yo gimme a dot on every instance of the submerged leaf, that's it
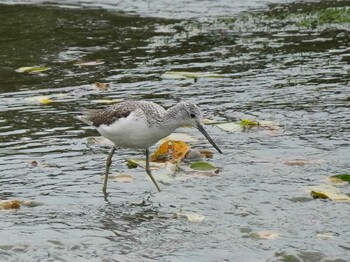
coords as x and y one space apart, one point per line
202 166
192 75
91 63
268 235
125 178
32 69
296 163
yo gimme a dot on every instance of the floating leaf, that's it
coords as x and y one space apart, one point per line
42 100
192 217
91 63
170 151
248 124
192 75
318 194
131 163
229 126
342 177
32 69
268 235
124 178
202 166
10 204
101 86
328 192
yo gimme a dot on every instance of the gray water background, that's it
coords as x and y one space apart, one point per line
271 70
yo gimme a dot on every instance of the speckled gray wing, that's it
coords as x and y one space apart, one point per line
108 115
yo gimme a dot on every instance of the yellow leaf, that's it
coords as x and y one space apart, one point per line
42 100
328 191
170 151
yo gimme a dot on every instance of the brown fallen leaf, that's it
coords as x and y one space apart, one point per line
9 204
101 86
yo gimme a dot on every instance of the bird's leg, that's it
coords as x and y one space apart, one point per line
108 164
148 170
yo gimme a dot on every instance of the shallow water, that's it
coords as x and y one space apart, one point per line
272 69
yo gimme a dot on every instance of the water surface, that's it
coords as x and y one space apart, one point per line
272 69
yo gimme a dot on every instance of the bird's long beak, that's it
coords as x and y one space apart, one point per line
202 130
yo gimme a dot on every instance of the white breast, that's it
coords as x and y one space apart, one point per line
133 132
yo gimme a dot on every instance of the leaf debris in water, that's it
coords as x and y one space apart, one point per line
191 75
9 204
342 177
202 166
32 69
42 100
90 63
124 178
101 86
268 235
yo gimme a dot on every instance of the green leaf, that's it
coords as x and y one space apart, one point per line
202 166
344 177
318 194
32 69
248 124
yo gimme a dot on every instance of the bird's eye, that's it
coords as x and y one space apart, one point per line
192 115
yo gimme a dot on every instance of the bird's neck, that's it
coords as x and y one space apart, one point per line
172 118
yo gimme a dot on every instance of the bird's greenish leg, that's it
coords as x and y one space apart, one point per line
148 170
108 164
